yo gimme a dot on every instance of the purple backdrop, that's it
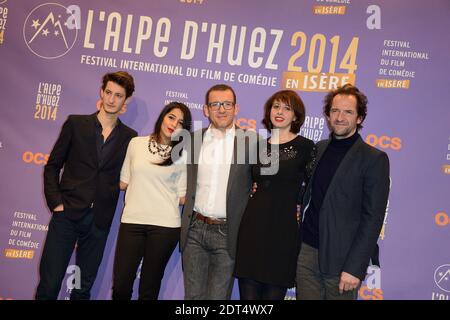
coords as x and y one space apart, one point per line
54 54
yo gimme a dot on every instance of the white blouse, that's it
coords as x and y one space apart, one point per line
153 192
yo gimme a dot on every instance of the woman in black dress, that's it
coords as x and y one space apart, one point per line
267 243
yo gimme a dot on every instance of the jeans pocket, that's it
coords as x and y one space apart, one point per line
194 222
222 229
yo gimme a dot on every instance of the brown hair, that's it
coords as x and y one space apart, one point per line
219 87
348 90
122 78
290 98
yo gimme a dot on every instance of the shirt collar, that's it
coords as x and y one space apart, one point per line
229 133
99 125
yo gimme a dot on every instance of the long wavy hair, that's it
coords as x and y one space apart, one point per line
187 124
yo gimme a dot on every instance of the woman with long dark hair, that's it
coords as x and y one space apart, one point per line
155 186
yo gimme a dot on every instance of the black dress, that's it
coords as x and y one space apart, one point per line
267 242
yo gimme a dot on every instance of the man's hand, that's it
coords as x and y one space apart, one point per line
348 282
59 208
98 105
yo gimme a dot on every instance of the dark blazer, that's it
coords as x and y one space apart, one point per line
84 183
353 209
238 188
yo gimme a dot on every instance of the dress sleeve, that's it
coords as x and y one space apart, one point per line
309 168
126 166
311 163
182 181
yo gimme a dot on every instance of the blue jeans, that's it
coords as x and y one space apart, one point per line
208 267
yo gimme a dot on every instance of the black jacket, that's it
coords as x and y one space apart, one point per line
84 183
352 212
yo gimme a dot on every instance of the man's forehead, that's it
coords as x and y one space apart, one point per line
111 85
221 92
341 100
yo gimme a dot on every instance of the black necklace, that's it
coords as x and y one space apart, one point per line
155 148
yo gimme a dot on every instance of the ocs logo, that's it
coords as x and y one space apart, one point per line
50 30
35 158
74 279
371 290
365 293
442 277
384 142
442 219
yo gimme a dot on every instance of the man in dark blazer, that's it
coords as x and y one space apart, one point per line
218 187
344 204
90 149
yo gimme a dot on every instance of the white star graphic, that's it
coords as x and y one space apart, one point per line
45 32
36 24
441 274
56 33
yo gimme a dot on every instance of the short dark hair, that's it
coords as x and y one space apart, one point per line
187 124
122 78
290 98
348 90
219 87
